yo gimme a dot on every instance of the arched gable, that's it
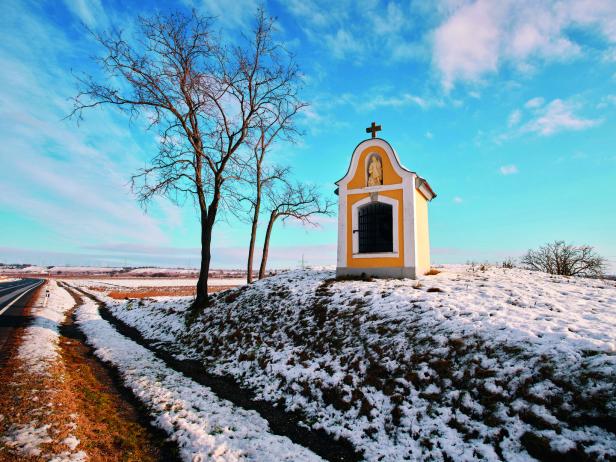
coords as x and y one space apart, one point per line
393 171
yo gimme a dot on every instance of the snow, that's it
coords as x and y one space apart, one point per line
155 282
26 269
204 426
37 354
82 269
39 348
27 439
66 456
404 372
177 271
71 442
4 279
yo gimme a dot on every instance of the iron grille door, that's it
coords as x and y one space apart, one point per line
375 228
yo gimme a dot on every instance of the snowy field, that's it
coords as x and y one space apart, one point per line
4 279
466 364
155 282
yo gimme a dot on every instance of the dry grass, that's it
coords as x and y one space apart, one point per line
107 425
75 396
432 272
172 291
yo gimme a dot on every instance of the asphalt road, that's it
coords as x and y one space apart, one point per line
14 297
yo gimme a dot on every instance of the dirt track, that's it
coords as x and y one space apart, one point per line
79 397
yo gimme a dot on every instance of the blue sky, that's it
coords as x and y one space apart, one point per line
507 108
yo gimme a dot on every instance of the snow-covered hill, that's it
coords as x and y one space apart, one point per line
467 364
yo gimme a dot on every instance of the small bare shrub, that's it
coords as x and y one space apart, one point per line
432 272
565 260
474 266
508 263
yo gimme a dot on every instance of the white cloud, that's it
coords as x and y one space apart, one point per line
232 14
508 169
90 12
477 38
406 99
534 102
466 45
326 107
607 101
360 31
610 55
457 200
343 44
557 116
72 180
514 117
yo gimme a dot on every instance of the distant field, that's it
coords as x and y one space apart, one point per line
153 287
156 282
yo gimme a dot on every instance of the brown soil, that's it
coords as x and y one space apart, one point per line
110 426
78 397
177 291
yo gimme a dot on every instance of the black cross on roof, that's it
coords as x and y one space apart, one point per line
373 128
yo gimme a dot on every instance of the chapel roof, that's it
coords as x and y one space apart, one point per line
422 181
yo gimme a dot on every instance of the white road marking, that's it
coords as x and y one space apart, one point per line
21 295
6 289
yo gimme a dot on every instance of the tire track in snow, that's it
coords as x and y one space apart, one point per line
204 426
281 421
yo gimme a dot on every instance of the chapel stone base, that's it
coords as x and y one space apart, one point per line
383 272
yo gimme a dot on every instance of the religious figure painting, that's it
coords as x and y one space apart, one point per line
375 171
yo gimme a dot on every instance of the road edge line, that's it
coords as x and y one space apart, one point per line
20 295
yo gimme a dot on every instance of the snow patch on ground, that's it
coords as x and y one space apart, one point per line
71 442
493 364
38 353
39 348
204 426
27 439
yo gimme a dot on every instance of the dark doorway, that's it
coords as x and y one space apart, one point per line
375 228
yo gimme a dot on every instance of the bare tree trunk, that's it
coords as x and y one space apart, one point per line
270 226
253 231
202 298
207 226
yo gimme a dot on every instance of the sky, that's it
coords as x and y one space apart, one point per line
507 108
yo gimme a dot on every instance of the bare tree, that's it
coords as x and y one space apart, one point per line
203 98
275 124
565 259
300 202
262 178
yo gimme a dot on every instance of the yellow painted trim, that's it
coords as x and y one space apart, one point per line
389 174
